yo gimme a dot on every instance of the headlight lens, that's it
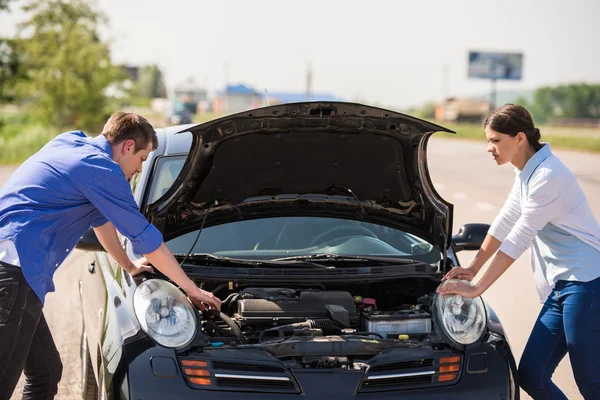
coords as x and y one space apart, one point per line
460 320
164 313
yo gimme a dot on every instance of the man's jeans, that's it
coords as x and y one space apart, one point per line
569 322
26 344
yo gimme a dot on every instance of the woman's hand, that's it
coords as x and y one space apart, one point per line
460 273
460 288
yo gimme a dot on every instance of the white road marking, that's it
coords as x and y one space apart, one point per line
485 207
460 195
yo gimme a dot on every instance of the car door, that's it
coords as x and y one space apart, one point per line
93 302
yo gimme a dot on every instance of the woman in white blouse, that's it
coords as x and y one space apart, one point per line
547 210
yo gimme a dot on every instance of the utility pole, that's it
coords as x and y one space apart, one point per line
493 95
225 92
445 69
308 80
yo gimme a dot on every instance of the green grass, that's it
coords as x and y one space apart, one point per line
584 139
18 142
205 117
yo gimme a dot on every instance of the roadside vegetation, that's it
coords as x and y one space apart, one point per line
583 139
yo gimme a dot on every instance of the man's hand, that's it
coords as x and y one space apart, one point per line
460 288
202 298
140 265
460 273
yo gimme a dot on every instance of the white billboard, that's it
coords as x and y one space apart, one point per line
489 65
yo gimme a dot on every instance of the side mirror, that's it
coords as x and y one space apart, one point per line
89 242
470 237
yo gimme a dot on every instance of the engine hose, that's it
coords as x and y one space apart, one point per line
234 327
278 333
226 304
326 325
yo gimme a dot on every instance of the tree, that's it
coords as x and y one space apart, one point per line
150 82
579 100
4 4
12 71
69 66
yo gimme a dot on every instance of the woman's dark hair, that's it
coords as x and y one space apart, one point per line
511 119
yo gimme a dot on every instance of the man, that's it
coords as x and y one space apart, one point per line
74 182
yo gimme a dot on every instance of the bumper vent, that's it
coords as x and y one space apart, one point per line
414 364
412 374
229 376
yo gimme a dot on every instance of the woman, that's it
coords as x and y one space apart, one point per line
547 210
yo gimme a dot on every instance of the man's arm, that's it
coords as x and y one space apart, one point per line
107 235
111 195
162 259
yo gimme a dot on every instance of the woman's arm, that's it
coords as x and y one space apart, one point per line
499 265
542 205
504 221
488 248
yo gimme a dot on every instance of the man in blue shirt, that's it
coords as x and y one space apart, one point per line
50 201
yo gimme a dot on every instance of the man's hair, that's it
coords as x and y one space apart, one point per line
123 126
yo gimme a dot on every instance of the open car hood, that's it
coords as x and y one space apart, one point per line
329 159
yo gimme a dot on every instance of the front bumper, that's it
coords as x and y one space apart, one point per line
156 374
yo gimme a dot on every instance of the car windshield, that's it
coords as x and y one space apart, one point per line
278 237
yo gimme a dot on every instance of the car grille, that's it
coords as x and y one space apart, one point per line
222 375
412 374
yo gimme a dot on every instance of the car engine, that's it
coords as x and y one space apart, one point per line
263 314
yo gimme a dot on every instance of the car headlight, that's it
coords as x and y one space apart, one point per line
164 313
460 320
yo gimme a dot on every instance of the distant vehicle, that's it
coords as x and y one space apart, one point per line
319 228
180 118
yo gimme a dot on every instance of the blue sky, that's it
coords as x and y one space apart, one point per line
381 52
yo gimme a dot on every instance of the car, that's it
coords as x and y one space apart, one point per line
319 228
180 118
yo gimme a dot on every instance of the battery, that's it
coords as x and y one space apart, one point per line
394 323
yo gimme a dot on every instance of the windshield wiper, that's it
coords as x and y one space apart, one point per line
211 259
329 257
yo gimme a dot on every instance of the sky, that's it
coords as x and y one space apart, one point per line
398 53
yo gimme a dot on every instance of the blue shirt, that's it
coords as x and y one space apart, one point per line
54 197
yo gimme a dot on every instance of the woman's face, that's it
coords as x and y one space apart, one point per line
503 147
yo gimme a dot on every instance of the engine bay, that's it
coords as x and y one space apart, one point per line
263 315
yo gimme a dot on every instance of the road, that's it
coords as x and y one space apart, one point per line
465 175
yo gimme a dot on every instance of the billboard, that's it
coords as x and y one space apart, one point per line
488 65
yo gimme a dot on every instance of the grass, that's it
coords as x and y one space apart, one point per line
16 149
584 139
205 117
21 136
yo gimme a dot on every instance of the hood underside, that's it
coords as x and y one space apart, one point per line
308 159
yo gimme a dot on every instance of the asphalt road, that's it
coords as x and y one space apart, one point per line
464 174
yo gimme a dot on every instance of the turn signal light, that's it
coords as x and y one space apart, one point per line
449 360
201 381
193 363
196 372
446 377
449 368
